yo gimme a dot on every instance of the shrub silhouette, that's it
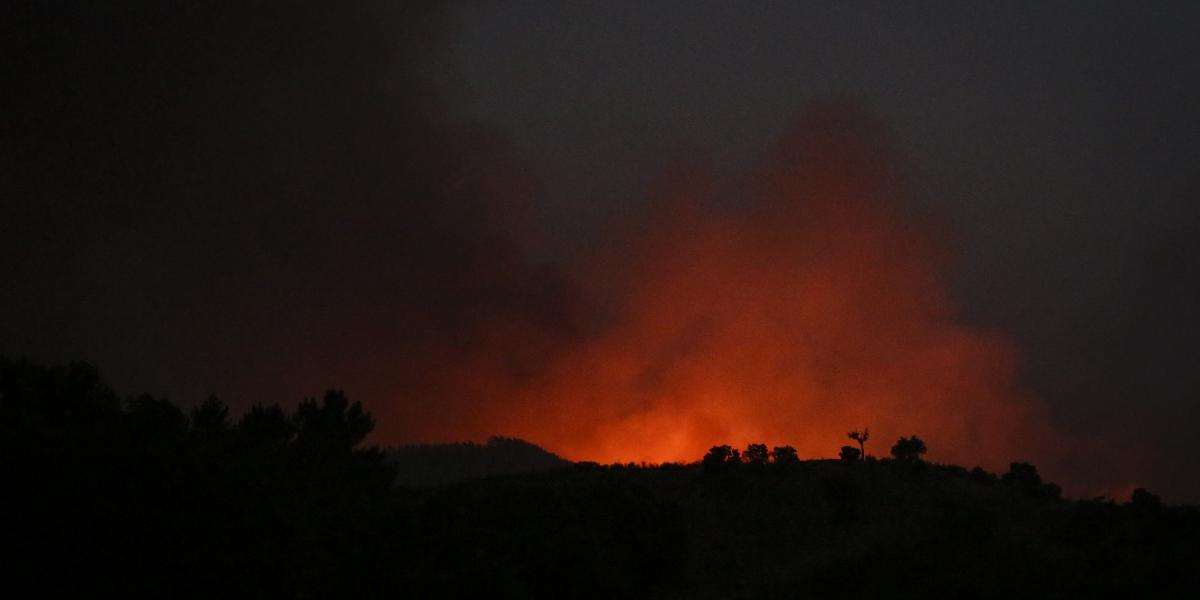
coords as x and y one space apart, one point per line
908 449
850 454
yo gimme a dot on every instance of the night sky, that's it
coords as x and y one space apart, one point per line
627 230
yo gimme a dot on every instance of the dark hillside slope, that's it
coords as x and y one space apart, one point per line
814 529
434 464
134 497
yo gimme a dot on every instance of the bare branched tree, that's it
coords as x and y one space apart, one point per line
861 437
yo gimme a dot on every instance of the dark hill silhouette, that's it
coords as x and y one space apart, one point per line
134 497
436 464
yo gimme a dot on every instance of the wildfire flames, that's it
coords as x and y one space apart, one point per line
815 307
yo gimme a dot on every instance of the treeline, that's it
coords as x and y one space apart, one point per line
907 451
134 496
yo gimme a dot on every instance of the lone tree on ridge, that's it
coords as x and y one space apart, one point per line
861 437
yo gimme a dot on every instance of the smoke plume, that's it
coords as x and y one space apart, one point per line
265 200
813 306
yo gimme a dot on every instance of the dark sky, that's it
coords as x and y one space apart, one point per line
267 200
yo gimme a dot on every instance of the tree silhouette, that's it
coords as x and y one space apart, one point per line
156 424
333 425
908 449
784 455
717 457
756 454
861 437
210 419
265 427
1143 501
1024 477
850 454
979 475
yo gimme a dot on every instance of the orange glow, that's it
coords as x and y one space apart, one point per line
817 309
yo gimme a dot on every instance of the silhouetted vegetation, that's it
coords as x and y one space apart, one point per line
908 449
137 497
1024 477
861 437
720 457
784 455
757 454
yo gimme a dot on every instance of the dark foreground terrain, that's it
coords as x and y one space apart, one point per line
134 495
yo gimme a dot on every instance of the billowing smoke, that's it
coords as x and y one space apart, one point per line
812 306
264 200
